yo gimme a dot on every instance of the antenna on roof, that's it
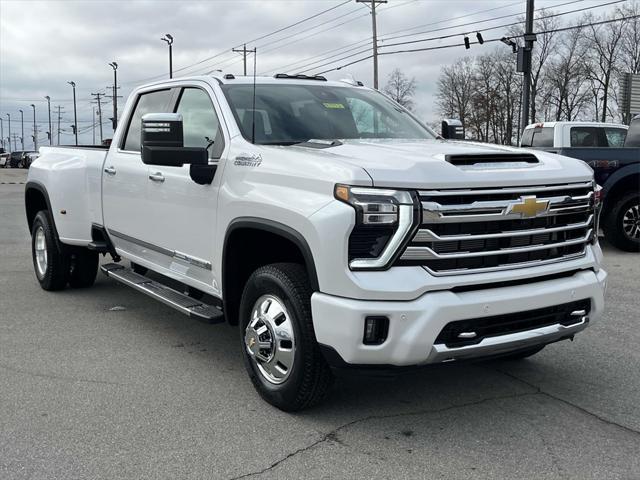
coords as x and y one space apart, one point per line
253 108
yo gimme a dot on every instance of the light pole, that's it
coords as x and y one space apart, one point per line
1 133
35 129
9 137
169 39
75 113
22 126
114 122
49 133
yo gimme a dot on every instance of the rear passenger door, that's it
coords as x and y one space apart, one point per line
125 178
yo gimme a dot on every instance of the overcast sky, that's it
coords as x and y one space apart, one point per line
45 44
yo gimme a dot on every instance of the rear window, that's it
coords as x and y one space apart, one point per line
538 137
587 137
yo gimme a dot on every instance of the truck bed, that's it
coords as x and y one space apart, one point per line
73 179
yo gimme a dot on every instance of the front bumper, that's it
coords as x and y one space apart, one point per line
414 325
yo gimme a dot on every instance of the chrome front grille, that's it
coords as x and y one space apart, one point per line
480 230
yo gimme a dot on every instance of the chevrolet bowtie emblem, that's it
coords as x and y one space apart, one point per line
528 207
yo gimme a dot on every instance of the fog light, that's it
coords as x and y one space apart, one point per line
375 330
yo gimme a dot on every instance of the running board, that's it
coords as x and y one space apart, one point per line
181 302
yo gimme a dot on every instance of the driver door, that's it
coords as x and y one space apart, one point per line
181 214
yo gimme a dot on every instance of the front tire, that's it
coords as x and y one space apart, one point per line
622 225
278 343
50 262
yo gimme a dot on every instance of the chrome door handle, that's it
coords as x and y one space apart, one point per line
110 170
157 177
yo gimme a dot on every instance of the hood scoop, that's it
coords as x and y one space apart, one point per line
493 160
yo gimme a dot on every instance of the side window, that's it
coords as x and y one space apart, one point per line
542 137
615 136
527 137
152 102
585 137
200 122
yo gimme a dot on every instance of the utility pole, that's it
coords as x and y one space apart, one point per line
59 118
50 132
98 95
114 120
2 133
525 62
9 137
372 5
22 126
35 129
75 112
169 39
93 109
244 53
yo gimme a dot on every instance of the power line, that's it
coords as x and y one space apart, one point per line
283 68
227 51
443 37
457 45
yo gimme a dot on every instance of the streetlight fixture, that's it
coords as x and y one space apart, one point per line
75 112
35 129
49 133
169 39
114 121
22 125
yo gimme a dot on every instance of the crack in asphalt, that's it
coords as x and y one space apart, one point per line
58 377
332 436
571 404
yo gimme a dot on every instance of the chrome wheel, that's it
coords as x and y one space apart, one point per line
269 339
631 222
40 247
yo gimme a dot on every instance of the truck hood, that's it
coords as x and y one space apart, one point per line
422 164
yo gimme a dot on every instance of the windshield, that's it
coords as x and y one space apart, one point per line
289 114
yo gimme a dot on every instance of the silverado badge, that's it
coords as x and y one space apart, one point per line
528 207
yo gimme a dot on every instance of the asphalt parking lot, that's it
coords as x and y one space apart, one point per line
106 383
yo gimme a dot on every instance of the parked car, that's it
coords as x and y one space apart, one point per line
4 158
573 134
617 170
326 223
29 158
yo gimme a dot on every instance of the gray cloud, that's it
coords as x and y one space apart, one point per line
44 44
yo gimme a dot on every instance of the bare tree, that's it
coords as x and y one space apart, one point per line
456 88
401 88
604 44
630 44
567 77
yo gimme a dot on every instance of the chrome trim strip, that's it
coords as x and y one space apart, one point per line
519 190
506 266
503 205
426 253
141 243
505 343
197 262
405 222
426 235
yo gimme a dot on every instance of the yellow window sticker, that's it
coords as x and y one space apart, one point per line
337 106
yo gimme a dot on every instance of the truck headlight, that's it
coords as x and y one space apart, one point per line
384 220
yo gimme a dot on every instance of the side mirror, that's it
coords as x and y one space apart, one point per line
162 142
452 129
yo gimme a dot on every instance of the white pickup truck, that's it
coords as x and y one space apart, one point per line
553 135
326 223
